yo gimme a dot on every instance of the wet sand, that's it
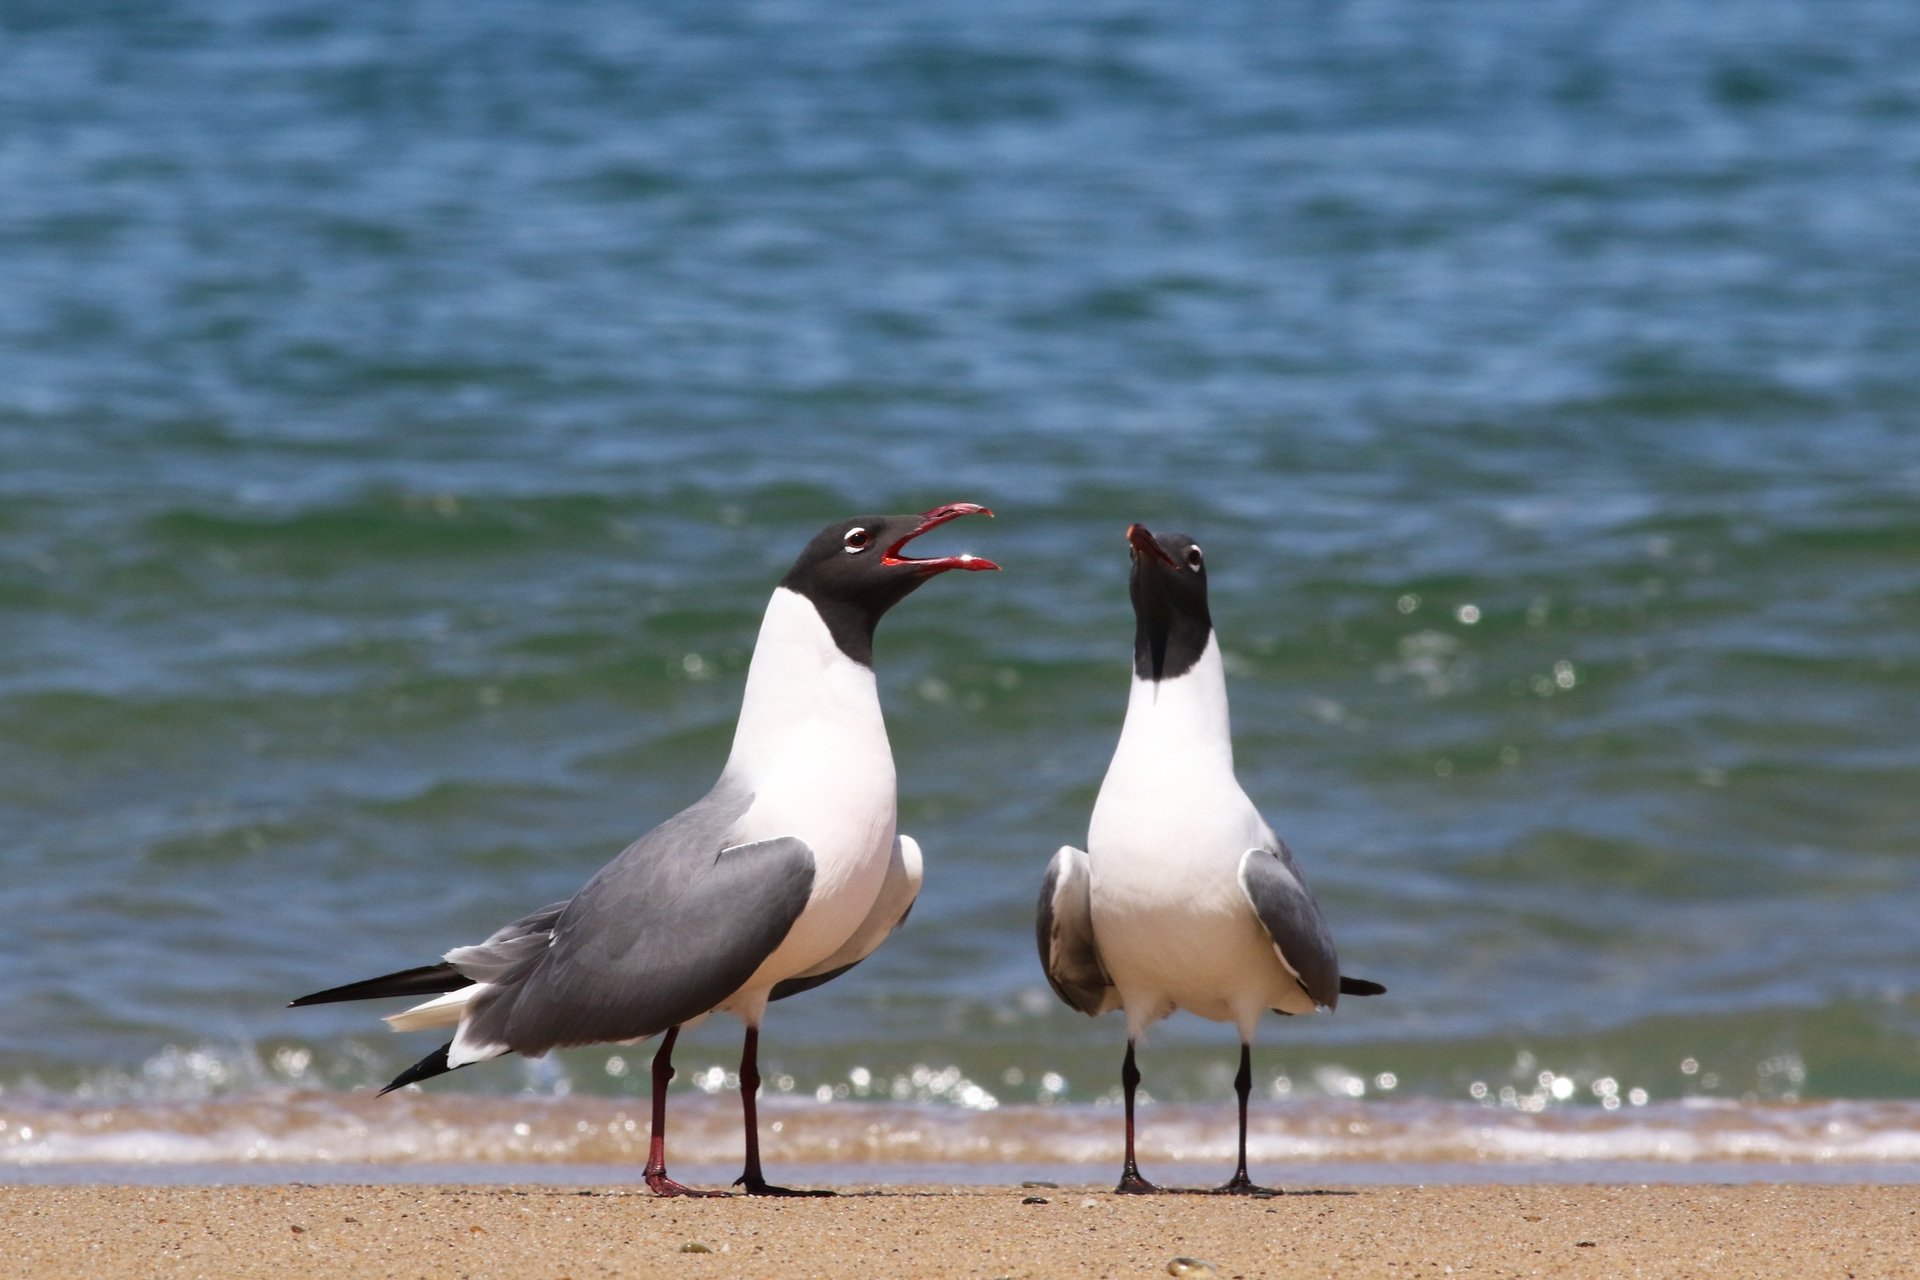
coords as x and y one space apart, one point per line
1857 1231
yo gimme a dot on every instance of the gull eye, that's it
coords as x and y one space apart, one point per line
856 541
1193 559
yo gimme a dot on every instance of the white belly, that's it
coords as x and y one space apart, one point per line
845 812
1174 926
812 748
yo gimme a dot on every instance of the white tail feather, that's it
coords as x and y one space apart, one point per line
464 1051
441 1011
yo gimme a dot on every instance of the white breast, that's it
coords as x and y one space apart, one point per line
1170 826
812 747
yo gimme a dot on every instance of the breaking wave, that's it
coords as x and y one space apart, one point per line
311 1127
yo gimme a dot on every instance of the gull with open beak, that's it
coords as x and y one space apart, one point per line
785 875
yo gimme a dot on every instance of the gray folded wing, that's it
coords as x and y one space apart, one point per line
898 893
508 946
664 933
1063 929
1286 907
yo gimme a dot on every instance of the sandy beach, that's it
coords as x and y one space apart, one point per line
1348 1232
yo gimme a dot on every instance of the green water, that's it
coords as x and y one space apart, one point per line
406 413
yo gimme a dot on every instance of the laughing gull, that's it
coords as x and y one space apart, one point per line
1184 897
784 876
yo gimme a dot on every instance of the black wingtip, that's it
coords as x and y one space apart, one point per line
434 1064
427 980
1360 987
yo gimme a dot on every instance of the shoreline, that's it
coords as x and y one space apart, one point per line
470 1135
1360 1231
959 1176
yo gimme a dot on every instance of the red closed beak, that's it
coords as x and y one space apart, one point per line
1143 543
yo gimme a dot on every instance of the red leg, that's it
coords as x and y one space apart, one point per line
752 1181
656 1171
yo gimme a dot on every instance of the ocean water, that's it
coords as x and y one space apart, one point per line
406 410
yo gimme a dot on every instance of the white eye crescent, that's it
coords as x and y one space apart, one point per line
1193 559
856 541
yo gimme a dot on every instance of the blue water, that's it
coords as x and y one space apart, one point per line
405 411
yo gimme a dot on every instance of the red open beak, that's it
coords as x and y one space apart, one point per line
933 520
1144 545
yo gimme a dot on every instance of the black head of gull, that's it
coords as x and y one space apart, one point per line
1169 590
854 570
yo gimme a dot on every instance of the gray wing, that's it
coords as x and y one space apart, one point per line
889 912
1064 931
1286 907
508 946
666 931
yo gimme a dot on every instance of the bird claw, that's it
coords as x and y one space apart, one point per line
661 1185
761 1187
1132 1184
1241 1185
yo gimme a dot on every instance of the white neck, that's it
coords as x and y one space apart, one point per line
1181 723
802 691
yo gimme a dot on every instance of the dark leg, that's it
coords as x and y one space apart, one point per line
1131 1183
1240 1184
752 1180
656 1172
